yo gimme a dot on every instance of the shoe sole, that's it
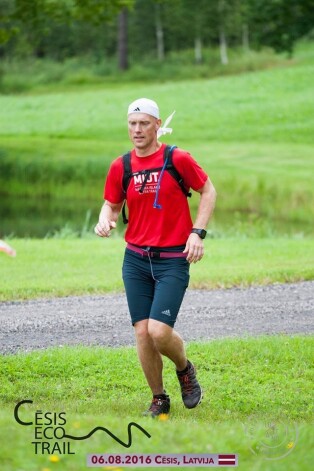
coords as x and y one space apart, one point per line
202 395
152 416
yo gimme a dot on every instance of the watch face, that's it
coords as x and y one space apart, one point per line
201 232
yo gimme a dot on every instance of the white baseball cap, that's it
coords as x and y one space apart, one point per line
144 105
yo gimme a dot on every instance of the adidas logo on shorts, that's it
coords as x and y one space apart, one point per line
166 312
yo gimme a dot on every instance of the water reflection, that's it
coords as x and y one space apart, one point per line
32 217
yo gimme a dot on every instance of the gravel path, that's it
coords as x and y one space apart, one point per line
104 320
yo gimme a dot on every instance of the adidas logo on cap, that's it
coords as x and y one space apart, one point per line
144 105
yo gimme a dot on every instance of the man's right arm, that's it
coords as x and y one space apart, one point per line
107 218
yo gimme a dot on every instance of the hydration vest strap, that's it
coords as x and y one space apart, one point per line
168 165
173 171
146 173
127 174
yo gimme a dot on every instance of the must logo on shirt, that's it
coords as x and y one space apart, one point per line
151 182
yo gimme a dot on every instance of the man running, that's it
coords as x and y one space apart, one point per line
162 241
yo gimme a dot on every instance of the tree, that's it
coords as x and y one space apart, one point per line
99 11
123 40
149 28
222 34
159 33
279 23
7 30
199 27
37 19
34 19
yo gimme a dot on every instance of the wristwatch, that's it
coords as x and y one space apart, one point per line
200 232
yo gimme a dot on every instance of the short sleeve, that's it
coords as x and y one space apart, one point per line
192 173
113 190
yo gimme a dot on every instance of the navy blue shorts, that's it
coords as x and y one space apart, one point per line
154 287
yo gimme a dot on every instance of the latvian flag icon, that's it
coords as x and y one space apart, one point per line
227 460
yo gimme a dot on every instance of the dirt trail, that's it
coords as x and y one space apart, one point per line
104 320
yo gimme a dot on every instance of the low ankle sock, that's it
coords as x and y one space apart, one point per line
161 396
186 369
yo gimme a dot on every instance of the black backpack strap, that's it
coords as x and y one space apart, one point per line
127 175
173 171
124 218
127 171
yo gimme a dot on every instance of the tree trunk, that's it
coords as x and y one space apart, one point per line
123 40
198 50
222 35
223 46
245 38
159 34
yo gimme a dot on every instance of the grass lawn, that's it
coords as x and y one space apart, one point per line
248 385
249 107
61 267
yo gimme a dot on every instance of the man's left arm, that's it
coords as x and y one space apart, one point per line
195 245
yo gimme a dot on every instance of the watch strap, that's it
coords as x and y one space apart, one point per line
200 232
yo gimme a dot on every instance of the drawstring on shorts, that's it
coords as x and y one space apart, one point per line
150 263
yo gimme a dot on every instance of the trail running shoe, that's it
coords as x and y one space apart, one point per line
190 388
160 405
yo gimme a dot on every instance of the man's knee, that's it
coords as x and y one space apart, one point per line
159 332
141 330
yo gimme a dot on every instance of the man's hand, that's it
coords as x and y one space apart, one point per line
194 248
107 218
103 228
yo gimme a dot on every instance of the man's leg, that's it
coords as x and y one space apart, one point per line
168 342
149 356
140 288
151 362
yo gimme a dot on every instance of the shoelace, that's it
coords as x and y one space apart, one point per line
155 404
186 383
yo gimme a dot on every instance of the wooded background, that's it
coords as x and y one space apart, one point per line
132 30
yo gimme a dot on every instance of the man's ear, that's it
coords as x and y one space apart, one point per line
158 124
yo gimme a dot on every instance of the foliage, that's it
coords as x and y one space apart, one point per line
99 12
47 25
279 23
57 29
7 30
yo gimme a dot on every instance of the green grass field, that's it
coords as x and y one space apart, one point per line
248 384
39 76
266 106
62 267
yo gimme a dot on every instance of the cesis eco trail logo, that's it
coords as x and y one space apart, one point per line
50 435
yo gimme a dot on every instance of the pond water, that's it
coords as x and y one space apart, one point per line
40 217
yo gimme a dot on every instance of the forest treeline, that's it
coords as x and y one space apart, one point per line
138 29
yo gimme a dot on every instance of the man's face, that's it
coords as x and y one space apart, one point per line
143 129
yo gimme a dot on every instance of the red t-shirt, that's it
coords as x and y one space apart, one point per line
149 226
